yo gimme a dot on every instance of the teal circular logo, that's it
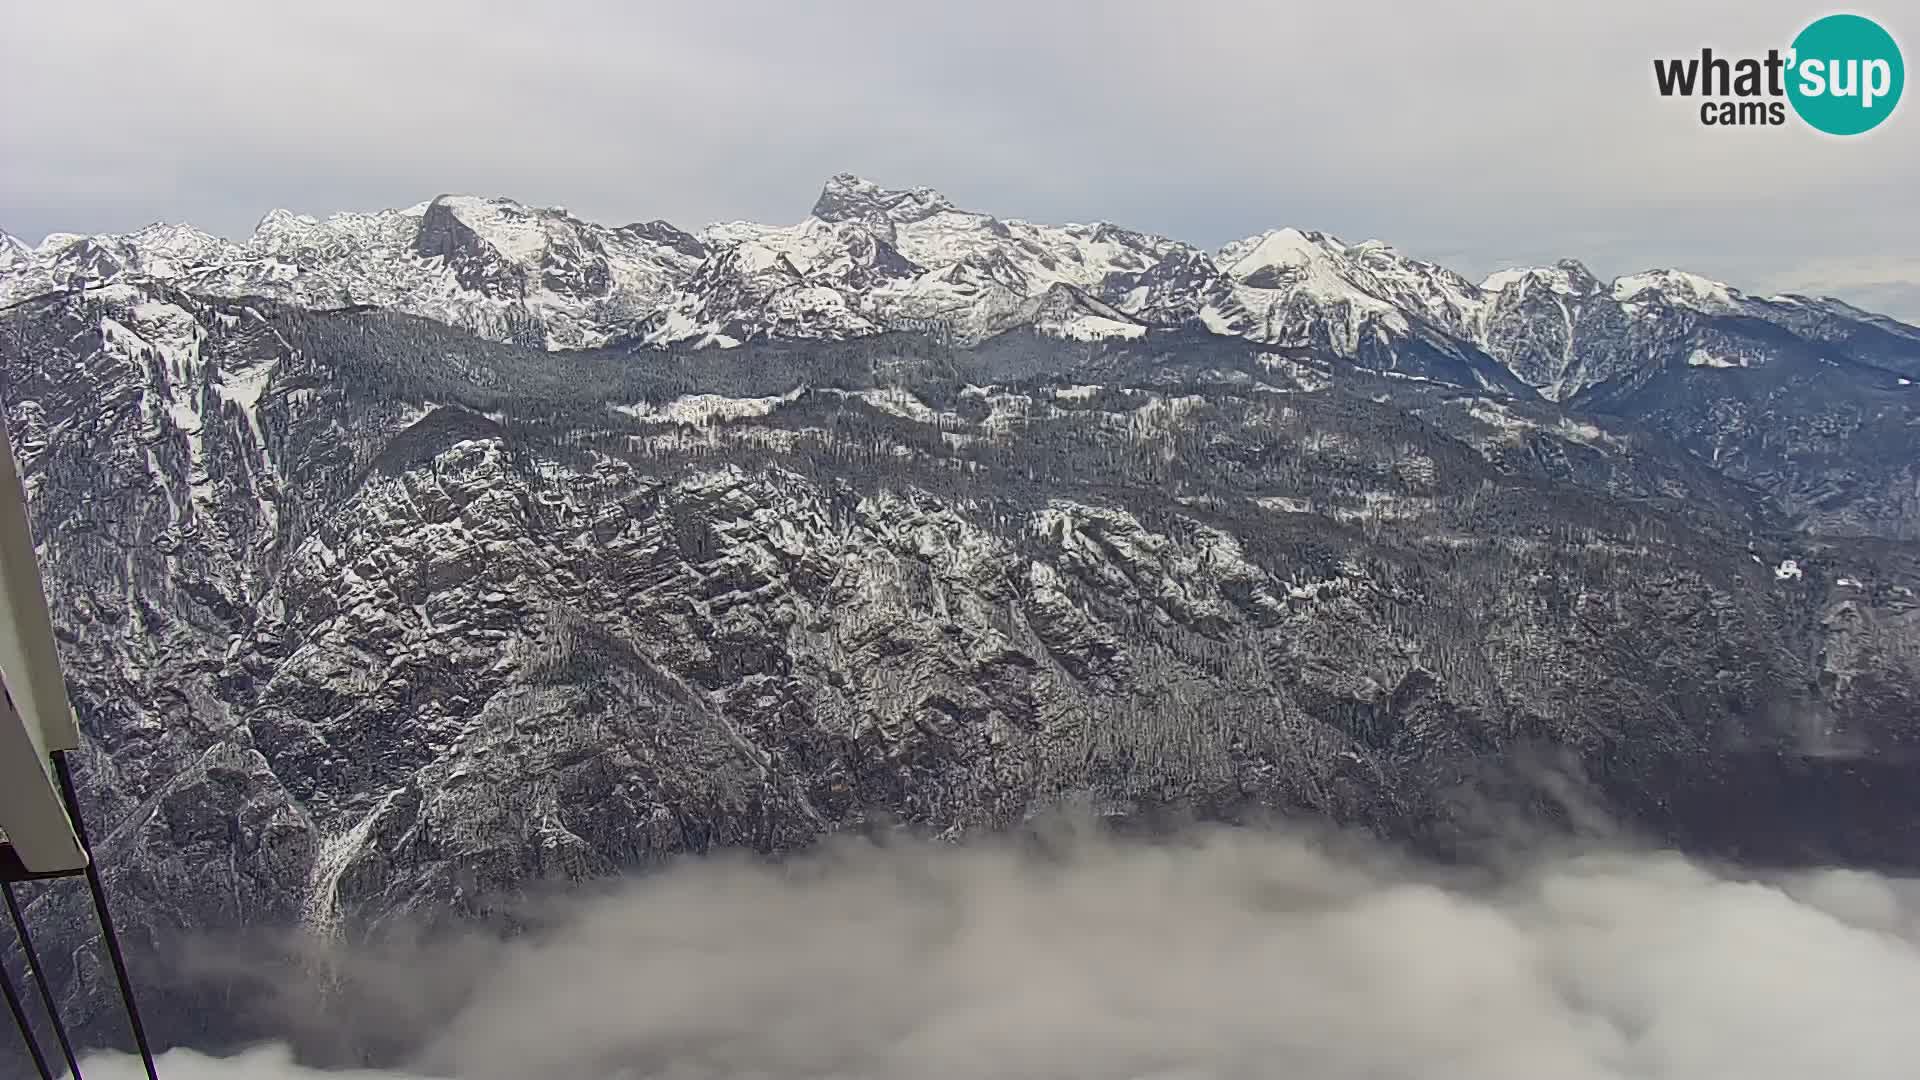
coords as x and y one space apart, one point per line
1845 74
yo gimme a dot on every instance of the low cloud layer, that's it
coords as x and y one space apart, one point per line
1227 954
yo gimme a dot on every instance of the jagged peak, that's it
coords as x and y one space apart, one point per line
281 218
179 242
1283 247
1106 232
1578 276
280 222
517 231
847 197
1567 276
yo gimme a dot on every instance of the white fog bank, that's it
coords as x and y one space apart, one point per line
1234 954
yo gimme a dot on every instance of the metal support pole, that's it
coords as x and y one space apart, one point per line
20 1020
107 934
40 978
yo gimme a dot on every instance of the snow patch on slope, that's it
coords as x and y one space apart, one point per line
704 409
1707 358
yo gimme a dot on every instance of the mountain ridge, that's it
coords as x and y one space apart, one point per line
870 259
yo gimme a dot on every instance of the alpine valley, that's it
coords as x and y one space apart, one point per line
404 562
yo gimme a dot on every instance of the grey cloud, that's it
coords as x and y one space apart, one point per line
1225 954
1500 131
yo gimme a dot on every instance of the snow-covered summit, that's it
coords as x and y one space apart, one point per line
1677 286
1568 277
847 197
1287 248
870 258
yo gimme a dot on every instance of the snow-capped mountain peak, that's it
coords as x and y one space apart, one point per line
871 258
1305 288
14 252
847 197
519 232
280 218
1568 277
1677 287
302 237
57 242
1286 248
1578 278
181 243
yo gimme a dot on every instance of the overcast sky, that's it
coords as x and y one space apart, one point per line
1478 134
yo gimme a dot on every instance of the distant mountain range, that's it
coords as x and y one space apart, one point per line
869 260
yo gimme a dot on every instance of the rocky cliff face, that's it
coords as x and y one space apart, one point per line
368 617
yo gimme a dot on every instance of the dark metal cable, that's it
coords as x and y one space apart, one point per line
40 978
20 1020
107 934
